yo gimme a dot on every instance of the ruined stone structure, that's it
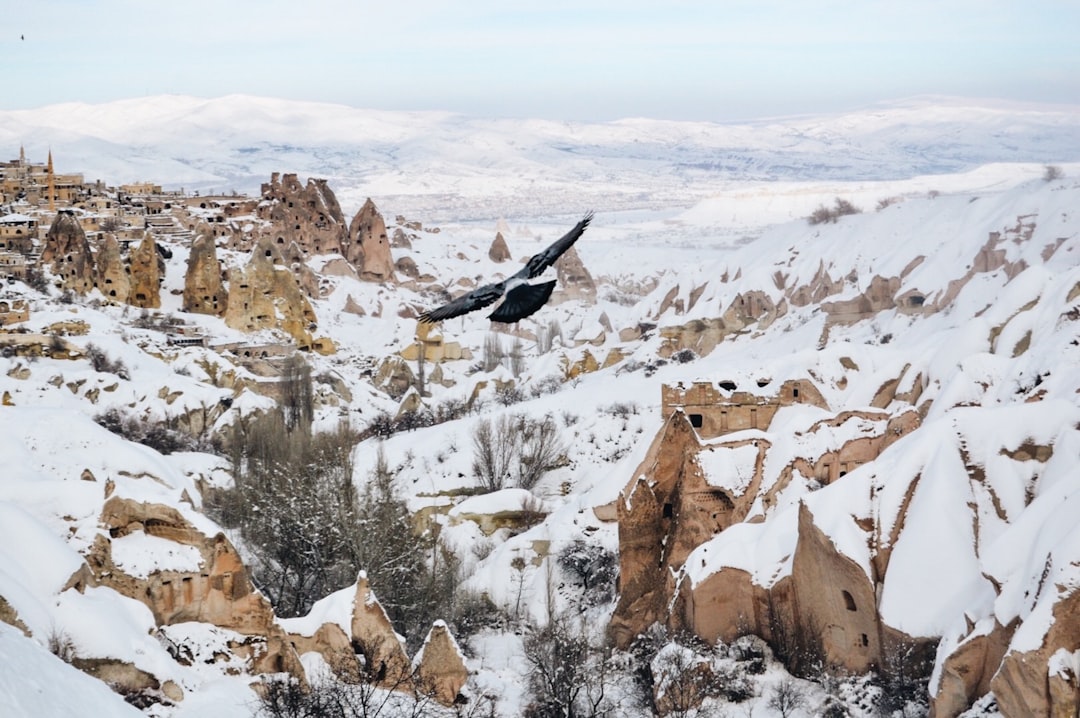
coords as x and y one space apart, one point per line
204 292
367 247
306 214
718 408
13 311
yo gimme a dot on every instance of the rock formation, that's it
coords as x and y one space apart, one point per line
374 636
146 275
499 252
575 282
441 670
112 272
204 292
367 247
67 253
216 591
308 215
676 504
265 295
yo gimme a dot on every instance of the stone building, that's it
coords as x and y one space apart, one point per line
13 311
18 233
718 408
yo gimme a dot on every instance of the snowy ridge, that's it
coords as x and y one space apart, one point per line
441 166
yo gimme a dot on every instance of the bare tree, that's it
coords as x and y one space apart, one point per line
297 394
787 697
515 446
1051 173
570 674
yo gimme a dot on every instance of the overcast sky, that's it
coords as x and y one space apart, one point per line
559 59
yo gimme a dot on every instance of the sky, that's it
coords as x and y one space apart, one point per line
713 60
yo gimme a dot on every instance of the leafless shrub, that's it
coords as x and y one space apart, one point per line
787 697
493 353
1052 172
61 645
104 363
841 207
515 447
546 335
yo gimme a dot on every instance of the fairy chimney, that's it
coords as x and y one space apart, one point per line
367 247
306 214
499 252
204 292
145 275
374 636
112 274
441 669
67 253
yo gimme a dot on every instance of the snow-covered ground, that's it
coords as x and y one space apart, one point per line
704 213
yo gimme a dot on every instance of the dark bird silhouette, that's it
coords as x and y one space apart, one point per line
520 299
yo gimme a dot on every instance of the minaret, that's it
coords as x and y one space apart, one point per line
52 184
22 156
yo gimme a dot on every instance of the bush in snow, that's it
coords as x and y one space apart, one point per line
163 437
104 363
570 672
787 697
593 568
517 447
823 214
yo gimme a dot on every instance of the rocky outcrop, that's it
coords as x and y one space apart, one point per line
367 247
750 309
499 251
265 295
374 636
213 587
575 281
112 272
204 292
67 253
306 214
688 491
440 666
146 275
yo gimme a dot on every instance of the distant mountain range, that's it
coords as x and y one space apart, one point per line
446 166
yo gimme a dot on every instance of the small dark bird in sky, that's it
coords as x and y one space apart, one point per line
520 299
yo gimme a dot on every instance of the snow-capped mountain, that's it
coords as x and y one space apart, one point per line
444 167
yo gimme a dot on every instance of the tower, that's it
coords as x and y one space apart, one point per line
52 184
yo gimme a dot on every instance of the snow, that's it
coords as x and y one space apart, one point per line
695 211
36 684
139 554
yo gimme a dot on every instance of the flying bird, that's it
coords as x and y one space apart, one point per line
520 299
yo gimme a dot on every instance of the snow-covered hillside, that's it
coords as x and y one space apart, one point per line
948 306
441 167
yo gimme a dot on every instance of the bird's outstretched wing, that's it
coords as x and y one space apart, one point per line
521 301
476 299
542 260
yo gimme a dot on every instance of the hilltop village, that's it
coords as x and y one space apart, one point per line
826 493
